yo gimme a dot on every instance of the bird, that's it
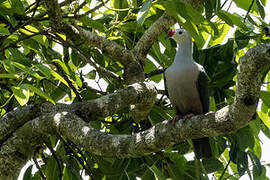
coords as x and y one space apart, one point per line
186 84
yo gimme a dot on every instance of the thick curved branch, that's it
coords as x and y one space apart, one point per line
248 82
151 34
138 93
13 120
165 134
143 94
159 137
162 24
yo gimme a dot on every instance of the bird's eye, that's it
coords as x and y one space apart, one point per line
180 32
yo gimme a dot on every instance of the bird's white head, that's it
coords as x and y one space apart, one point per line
179 35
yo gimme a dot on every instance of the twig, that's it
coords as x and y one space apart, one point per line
35 8
56 159
21 39
80 7
88 169
104 72
249 8
113 9
223 4
69 145
88 12
229 6
42 175
224 170
28 7
155 72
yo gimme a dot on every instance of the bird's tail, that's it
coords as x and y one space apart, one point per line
202 148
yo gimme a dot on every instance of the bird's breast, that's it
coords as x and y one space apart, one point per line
182 89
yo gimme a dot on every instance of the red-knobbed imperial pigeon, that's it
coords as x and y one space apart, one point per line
187 86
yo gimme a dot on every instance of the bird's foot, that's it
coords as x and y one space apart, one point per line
188 116
178 117
175 119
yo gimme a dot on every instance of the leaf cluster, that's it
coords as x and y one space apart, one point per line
38 65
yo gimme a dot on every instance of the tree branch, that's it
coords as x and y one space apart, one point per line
92 39
138 93
13 120
19 147
151 34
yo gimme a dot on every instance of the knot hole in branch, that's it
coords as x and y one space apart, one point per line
249 100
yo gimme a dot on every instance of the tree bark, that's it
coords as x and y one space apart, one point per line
24 129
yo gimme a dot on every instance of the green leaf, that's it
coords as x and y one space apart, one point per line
245 4
28 173
143 12
240 158
261 9
264 115
157 172
27 70
194 15
31 28
265 96
78 81
255 127
158 56
172 9
232 19
42 39
224 17
9 67
256 163
32 44
257 150
92 74
242 164
259 176
9 76
209 9
4 31
8 15
157 78
120 4
37 91
70 174
63 66
22 95
159 112
60 92
212 165
44 70
95 24
58 77
149 66
244 138
241 39
17 6
52 169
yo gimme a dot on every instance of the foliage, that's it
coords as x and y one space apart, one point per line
34 70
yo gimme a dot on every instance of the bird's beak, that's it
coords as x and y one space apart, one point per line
170 33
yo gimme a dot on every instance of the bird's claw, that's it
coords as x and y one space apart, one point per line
175 119
178 117
188 116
